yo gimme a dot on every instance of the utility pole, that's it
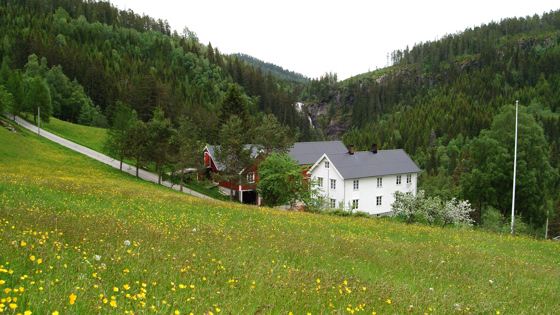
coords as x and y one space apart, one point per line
546 233
514 171
39 121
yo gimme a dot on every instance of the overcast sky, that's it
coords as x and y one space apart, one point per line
313 37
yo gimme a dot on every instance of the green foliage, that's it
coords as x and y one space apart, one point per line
233 155
491 172
275 70
137 148
119 55
282 181
38 96
123 120
271 136
6 100
187 149
160 133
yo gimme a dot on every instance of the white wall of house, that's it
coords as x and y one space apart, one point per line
367 191
335 195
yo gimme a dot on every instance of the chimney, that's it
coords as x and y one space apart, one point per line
374 148
351 149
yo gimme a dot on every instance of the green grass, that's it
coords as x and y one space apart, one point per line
60 210
90 137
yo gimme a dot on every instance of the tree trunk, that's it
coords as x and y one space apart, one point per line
159 175
121 163
137 166
182 174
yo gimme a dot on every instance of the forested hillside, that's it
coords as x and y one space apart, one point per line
276 71
117 55
439 95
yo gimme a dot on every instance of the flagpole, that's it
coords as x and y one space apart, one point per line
514 171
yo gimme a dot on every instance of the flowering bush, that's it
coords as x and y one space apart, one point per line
434 210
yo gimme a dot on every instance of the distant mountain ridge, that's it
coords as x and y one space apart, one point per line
275 70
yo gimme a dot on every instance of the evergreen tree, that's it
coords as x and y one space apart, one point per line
137 144
271 136
160 135
187 148
233 153
123 121
234 104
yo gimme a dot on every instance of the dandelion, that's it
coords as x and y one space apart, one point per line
32 258
23 243
318 281
72 298
127 243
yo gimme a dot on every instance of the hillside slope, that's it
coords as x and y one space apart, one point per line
79 236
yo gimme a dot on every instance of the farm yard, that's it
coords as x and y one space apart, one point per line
78 237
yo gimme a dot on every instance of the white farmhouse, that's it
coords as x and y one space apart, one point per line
365 181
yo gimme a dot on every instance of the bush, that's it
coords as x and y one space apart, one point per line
410 209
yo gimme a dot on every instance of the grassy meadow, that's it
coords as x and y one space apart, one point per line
90 137
78 237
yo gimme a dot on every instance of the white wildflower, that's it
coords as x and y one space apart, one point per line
126 243
97 257
490 281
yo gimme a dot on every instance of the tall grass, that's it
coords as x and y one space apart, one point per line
78 237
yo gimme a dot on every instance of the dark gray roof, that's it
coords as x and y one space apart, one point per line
366 164
212 151
309 152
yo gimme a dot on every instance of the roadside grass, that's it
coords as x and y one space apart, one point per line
79 237
90 137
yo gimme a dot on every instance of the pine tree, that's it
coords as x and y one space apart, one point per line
233 153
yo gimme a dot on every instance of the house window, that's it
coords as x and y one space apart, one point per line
379 182
378 200
333 183
333 203
355 204
251 177
327 165
356 184
320 181
398 179
409 178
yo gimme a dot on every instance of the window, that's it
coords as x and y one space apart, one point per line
378 200
333 183
327 165
356 184
398 179
355 204
333 203
379 182
251 177
320 181
409 178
